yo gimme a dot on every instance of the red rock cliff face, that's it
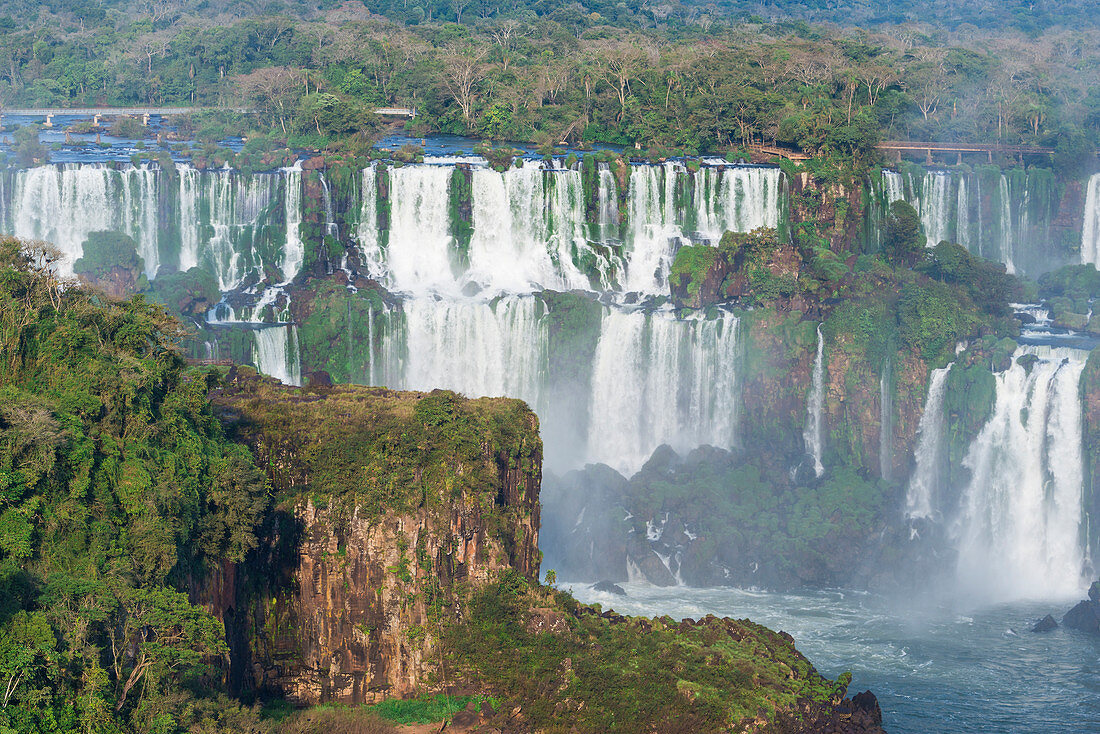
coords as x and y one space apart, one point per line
363 578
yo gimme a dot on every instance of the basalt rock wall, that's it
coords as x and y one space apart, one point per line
385 504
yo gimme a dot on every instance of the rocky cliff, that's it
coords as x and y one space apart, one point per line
385 503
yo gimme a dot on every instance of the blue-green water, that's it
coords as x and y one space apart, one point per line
937 668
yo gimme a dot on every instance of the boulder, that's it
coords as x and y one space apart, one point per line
609 587
1094 591
1085 617
867 703
1046 624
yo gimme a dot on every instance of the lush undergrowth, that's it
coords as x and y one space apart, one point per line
571 669
117 487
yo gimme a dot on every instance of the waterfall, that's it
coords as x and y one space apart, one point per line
1090 229
64 203
418 257
476 348
893 186
370 246
1019 526
935 207
524 230
275 352
886 420
739 199
962 214
293 252
1005 218
658 379
608 197
653 232
921 498
222 219
813 434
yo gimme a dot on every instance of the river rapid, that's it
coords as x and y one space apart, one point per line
937 667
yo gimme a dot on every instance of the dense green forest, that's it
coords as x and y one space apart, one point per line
686 76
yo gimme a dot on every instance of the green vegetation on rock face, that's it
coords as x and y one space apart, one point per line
110 261
569 668
334 331
117 486
378 450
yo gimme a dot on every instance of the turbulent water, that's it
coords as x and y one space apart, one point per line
471 312
1019 525
960 669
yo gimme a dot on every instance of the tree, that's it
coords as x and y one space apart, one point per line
27 647
462 72
904 241
159 633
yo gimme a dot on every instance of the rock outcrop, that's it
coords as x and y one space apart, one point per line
385 503
1086 615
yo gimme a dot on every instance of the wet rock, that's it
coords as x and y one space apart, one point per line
1094 591
609 587
1085 617
1046 624
649 563
867 703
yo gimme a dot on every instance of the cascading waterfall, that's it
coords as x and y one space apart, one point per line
529 231
275 353
293 253
1019 526
813 435
658 379
420 250
524 229
1007 235
1090 229
886 420
1006 216
222 218
64 203
608 197
474 347
922 496
935 209
370 246
653 230
738 198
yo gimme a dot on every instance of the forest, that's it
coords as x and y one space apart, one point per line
687 78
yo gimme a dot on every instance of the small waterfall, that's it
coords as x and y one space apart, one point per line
1005 225
63 203
370 246
935 207
893 186
813 434
886 420
922 496
736 198
653 230
658 379
1019 526
418 257
962 214
608 194
275 352
476 348
293 253
1090 229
